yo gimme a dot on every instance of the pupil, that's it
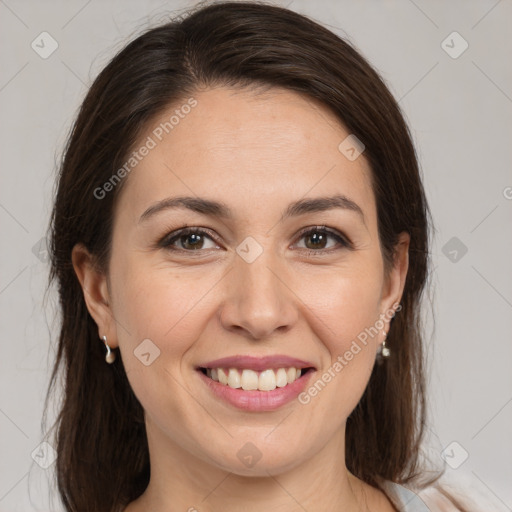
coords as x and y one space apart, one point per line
193 236
318 238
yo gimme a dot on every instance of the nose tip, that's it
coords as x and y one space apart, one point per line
257 300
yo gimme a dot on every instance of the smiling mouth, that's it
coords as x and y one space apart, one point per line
249 380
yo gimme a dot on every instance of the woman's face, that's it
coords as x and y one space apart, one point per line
262 280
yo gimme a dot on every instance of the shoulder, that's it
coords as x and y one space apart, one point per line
402 498
436 500
428 499
438 497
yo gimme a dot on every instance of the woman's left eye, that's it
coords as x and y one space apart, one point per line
193 239
319 236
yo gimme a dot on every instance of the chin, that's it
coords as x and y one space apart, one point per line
248 460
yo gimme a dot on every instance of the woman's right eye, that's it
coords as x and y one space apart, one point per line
191 239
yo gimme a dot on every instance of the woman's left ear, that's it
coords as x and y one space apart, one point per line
395 281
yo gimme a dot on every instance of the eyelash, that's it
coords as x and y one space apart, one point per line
168 240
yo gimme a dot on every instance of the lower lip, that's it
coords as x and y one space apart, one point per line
257 401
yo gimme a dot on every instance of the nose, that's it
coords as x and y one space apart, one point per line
258 300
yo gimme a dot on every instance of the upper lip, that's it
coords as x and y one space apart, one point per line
257 363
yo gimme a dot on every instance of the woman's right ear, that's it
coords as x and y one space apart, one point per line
95 290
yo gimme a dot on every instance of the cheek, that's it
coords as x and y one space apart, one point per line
347 311
170 307
158 317
161 305
346 300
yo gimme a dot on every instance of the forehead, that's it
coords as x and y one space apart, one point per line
252 150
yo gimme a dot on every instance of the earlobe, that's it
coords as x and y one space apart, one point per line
95 291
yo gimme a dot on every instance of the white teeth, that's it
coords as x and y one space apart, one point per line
234 379
267 380
281 380
291 375
223 378
250 380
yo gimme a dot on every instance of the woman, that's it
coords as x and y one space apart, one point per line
240 240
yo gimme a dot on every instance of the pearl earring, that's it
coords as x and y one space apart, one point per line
383 350
111 356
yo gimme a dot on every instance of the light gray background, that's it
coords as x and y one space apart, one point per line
460 112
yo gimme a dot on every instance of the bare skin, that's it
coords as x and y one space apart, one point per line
198 300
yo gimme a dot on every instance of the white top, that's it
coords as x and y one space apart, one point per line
404 499
431 499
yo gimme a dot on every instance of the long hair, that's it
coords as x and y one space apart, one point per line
103 458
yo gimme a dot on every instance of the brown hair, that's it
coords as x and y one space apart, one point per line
103 459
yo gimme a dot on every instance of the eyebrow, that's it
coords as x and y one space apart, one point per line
221 210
